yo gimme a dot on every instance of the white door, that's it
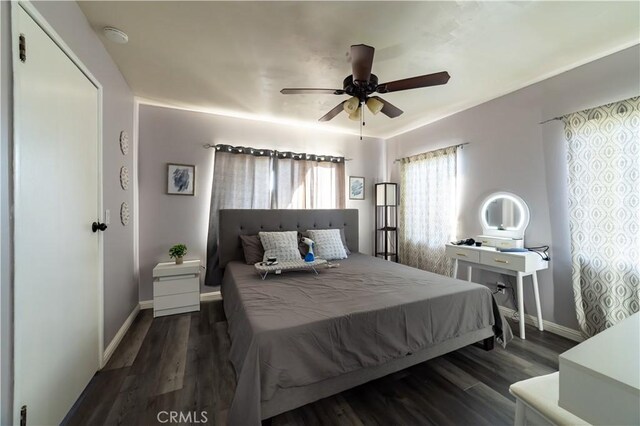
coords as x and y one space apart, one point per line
56 196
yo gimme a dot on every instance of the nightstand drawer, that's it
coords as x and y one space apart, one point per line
463 253
171 268
176 285
514 262
176 301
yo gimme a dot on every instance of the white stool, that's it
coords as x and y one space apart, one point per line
537 403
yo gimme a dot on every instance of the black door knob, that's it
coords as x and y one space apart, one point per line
97 226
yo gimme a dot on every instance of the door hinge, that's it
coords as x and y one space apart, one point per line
23 48
23 416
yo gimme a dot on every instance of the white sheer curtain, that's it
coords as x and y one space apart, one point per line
428 209
604 212
303 184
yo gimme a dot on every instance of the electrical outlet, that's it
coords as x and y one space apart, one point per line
107 217
501 287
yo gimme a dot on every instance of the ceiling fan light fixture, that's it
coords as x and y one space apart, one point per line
374 105
355 115
351 105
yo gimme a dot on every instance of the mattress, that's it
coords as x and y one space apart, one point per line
298 328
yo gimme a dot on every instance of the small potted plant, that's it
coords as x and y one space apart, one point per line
177 252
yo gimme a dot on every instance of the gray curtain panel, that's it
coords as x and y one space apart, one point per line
603 147
250 178
240 181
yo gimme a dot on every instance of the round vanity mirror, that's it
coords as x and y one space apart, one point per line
503 214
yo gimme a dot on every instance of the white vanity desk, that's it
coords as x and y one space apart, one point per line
519 265
504 217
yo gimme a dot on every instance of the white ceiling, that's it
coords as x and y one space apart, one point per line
234 57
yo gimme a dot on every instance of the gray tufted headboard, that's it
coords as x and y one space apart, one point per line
234 223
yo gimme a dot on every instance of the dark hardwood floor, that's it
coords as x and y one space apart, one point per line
180 363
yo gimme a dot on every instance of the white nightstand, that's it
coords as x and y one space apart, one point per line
176 288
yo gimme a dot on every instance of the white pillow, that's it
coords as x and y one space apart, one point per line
281 245
328 244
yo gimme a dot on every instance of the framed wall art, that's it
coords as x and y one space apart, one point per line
181 179
356 188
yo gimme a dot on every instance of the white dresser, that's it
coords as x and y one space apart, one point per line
519 265
176 288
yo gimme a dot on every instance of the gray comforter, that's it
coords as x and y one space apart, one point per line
299 328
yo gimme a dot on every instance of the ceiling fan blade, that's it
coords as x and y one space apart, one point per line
337 110
361 62
388 109
435 79
289 91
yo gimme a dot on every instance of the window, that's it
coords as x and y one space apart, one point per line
428 209
303 184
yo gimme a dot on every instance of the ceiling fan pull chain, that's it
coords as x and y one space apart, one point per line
361 119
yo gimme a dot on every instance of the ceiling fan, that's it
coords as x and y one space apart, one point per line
361 84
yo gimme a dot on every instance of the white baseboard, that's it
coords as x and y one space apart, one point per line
146 304
119 335
204 297
549 326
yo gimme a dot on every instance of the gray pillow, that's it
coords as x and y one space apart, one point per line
305 248
252 248
281 245
328 244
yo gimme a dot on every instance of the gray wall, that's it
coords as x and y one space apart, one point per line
172 135
510 151
6 295
120 281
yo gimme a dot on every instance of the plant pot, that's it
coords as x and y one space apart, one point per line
179 260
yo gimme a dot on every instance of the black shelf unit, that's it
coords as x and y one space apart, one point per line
386 222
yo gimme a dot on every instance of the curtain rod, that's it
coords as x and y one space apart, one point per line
460 145
208 146
586 109
551 119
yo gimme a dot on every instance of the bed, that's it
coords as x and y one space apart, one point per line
299 337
